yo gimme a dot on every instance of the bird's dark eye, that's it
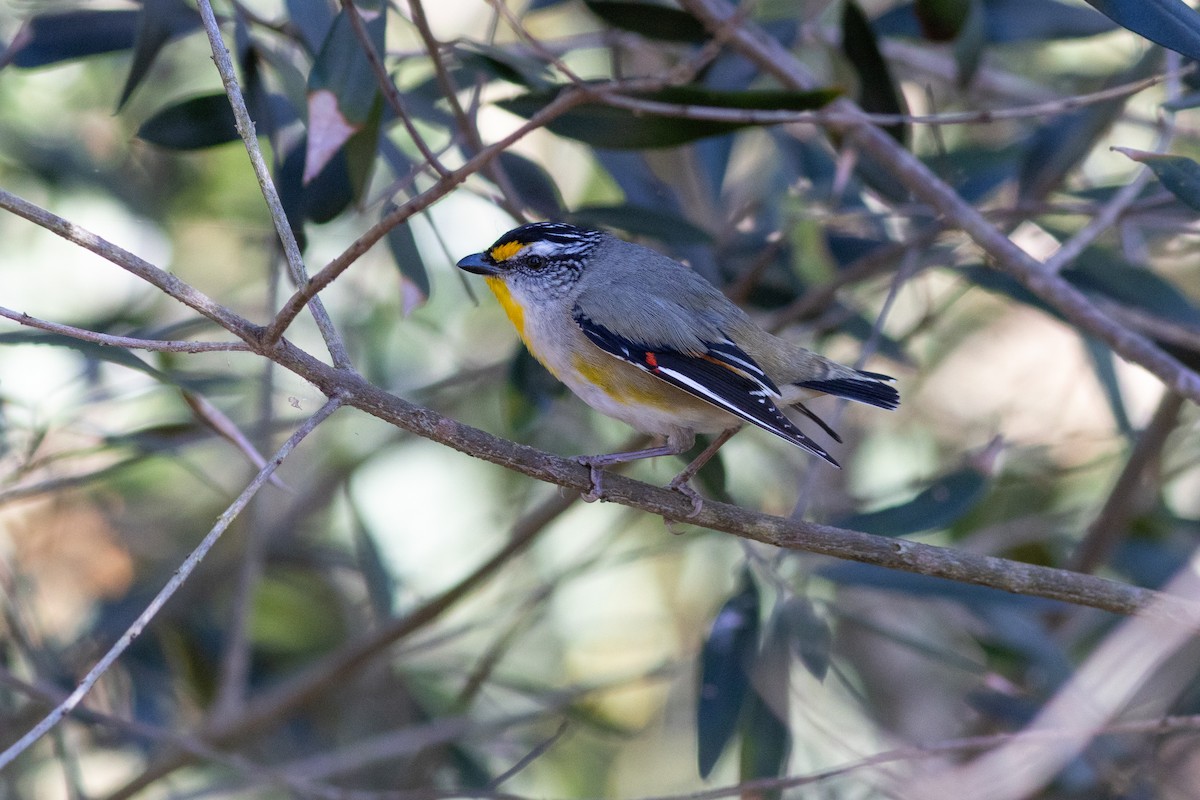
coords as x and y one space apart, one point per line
534 261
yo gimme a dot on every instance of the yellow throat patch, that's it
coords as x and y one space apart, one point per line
516 314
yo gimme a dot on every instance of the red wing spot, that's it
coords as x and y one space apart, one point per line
651 360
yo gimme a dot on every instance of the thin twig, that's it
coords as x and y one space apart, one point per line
245 127
1155 727
273 705
494 170
388 89
840 116
907 556
160 279
534 754
152 608
54 485
773 59
234 668
129 342
1113 521
156 735
1112 211
559 106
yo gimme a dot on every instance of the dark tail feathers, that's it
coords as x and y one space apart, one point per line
868 389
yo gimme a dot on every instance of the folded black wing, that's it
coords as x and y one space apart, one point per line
723 375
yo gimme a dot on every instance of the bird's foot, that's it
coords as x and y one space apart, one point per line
680 483
595 477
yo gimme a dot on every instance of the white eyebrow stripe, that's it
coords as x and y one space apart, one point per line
542 247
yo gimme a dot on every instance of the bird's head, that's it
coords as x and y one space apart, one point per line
547 255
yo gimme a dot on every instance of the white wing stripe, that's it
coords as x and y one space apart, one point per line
703 391
729 352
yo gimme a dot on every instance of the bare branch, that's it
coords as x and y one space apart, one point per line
1156 727
904 555
1081 312
130 342
1104 685
1114 518
271 706
838 116
168 283
908 556
152 608
329 273
245 126
388 89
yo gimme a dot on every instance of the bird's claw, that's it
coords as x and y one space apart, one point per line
685 489
595 477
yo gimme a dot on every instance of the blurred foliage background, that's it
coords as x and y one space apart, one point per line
349 636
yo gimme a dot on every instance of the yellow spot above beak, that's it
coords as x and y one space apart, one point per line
503 252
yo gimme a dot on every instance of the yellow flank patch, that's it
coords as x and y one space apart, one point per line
503 252
624 383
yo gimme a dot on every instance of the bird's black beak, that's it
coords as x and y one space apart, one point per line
479 264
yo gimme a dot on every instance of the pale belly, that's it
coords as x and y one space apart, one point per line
671 409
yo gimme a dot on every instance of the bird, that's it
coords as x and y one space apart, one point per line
644 339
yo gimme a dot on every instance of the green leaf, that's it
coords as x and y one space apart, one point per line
877 92
725 663
380 583
362 150
311 20
533 390
51 38
1180 175
194 124
500 63
602 125
408 259
1170 23
1102 272
766 740
343 90
651 20
329 193
1058 146
970 42
942 20
1007 21
285 596
1106 373
939 505
158 23
809 635
534 186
